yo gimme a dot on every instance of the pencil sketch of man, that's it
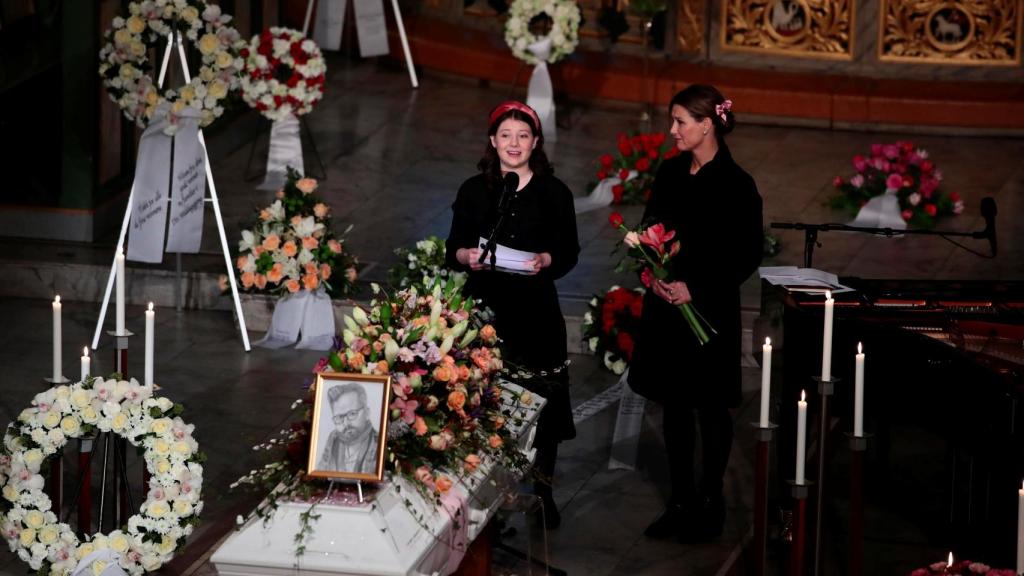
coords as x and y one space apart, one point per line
352 445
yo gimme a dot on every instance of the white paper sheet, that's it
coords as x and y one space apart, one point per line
509 259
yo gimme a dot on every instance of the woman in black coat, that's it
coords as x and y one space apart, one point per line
715 210
538 218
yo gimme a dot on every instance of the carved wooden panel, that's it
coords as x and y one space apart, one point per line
808 28
966 33
690 25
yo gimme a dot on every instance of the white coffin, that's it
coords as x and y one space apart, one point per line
398 533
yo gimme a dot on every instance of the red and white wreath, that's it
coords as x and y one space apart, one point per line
283 73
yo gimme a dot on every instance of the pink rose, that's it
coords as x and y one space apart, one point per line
958 207
632 239
860 163
906 215
876 149
320 210
891 151
894 182
335 246
306 185
914 199
857 181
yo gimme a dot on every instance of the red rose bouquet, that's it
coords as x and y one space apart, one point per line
901 169
650 252
637 162
610 325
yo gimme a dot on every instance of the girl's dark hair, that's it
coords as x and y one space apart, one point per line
700 101
490 165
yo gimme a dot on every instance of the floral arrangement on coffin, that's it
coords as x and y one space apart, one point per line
292 247
609 326
962 568
154 425
124 60
447 415
283 74
902 169
649 252
418 265
642 153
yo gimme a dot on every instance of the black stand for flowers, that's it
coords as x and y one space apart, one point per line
988 212
304 131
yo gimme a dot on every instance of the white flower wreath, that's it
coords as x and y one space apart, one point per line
124 59
283 74
565 17
172 456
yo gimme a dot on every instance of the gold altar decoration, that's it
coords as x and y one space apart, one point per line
690 25
966 32
807 28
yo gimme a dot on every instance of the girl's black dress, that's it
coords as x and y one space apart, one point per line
526 312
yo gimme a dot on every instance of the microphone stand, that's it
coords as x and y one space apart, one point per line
492 240
811 234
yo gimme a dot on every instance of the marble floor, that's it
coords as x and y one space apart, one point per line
394 158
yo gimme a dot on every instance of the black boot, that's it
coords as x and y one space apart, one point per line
707 521
669 524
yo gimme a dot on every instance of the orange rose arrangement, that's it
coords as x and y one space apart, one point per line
292 247
448 412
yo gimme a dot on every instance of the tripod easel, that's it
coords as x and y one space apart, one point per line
173 40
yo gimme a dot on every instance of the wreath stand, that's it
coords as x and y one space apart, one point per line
212 199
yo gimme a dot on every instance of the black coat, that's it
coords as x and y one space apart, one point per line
526 312
716 214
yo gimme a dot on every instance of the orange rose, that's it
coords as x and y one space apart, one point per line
442 373
296 220
290 250
292 285
320 210
310 268
248 278
261 281
499 421
265 215
325 271
443 483
420 426
456 399
272 242
241 262
471 463
335 246
276 273
382 367
257 250
306 185
310 282
310 243
495 441
463 372
488 334
357 361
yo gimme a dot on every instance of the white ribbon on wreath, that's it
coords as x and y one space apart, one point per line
540 93
307 313
628 421
285 150
601 195
882 211
100 563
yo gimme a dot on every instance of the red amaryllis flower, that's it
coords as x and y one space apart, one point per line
656 237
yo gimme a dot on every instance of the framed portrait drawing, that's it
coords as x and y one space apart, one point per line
349 426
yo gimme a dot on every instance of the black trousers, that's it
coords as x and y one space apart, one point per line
680 429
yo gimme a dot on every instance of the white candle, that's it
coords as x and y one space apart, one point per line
119 260
86 361
766 380
826 346
801 436
858 393
949 563
1020 530
58 374
150 317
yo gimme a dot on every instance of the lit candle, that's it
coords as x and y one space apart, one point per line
858 393
801 436
826 346
150 317
58 374
1020 530
766 380
86 361
949 563
119 260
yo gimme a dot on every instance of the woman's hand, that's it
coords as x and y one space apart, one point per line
539 262
672 292
470 257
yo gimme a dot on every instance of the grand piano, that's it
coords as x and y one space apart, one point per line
944 383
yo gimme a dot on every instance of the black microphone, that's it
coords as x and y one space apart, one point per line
511 184
988 212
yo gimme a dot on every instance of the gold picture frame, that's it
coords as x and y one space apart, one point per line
951 32
802 28
343 443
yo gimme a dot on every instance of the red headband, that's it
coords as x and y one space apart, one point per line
508 105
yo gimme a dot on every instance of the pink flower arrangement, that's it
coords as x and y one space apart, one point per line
642 153
902 169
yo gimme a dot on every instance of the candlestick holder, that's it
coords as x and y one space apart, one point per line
858 445
121 351
764 440
798 552
63 380
826 388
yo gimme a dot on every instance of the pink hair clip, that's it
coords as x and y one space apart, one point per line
722 108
